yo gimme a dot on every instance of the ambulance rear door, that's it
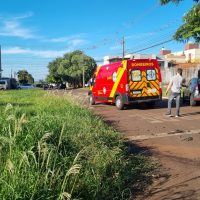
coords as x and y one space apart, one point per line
144 78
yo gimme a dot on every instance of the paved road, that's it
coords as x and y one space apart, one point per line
175 142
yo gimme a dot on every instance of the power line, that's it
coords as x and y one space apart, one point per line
158 44
151 38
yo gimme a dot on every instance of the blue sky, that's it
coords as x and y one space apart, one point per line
35 32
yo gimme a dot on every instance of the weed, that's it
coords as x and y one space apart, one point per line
51 147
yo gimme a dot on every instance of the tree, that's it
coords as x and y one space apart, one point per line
191 26
72 67
30 79
54 76
24 77
174 1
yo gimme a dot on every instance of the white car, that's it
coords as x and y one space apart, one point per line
25 86
3 85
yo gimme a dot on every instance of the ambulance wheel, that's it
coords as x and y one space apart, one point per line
91 99
151 104
119 103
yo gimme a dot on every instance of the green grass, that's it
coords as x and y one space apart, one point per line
53 148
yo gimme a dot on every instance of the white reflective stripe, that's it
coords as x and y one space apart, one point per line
127 87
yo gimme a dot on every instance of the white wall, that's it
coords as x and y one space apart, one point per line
188 73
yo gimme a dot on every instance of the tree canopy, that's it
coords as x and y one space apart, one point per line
174 1
191 26
24 77
71 68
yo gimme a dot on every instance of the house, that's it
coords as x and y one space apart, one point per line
188 60
190 54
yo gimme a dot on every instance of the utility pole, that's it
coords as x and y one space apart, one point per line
123 47
0 62
83 76
83 63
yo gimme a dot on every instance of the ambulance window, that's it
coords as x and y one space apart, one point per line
151 74
136 75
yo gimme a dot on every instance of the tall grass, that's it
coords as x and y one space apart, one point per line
53 148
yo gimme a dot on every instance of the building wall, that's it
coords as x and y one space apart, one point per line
188 73
176 58
192 55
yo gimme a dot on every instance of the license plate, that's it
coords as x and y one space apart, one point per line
136 92
152 90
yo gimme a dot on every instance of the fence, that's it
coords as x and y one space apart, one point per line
188 73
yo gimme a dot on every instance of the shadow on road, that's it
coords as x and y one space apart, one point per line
189 114
174 191
158 105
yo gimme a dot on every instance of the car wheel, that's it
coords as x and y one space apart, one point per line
119 103
91 99
192 102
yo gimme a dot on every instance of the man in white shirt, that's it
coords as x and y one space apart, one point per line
175 86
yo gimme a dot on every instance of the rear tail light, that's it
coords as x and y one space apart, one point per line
127 87
196 92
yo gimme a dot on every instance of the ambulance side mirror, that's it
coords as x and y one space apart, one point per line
92 82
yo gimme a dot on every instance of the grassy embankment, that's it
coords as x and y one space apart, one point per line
52 148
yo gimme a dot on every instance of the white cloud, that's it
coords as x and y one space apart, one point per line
13 28
71 41
40 53
117 47
15 50
49 53
60 39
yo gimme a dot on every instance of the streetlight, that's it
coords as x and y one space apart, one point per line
83 76
83 80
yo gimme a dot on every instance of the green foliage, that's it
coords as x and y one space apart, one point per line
70 68
163 2
24 77
52 148
190 28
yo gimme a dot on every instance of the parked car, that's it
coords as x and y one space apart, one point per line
8 83
25 86
3 85
192 92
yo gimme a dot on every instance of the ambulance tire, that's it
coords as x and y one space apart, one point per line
119 103
151 104
91 100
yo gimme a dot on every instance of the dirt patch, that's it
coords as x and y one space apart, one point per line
175 142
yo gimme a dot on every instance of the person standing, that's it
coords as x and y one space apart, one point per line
175 85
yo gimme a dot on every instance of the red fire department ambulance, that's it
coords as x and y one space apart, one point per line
126 82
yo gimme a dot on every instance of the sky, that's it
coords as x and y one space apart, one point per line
35 32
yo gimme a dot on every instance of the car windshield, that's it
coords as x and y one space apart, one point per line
2 82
